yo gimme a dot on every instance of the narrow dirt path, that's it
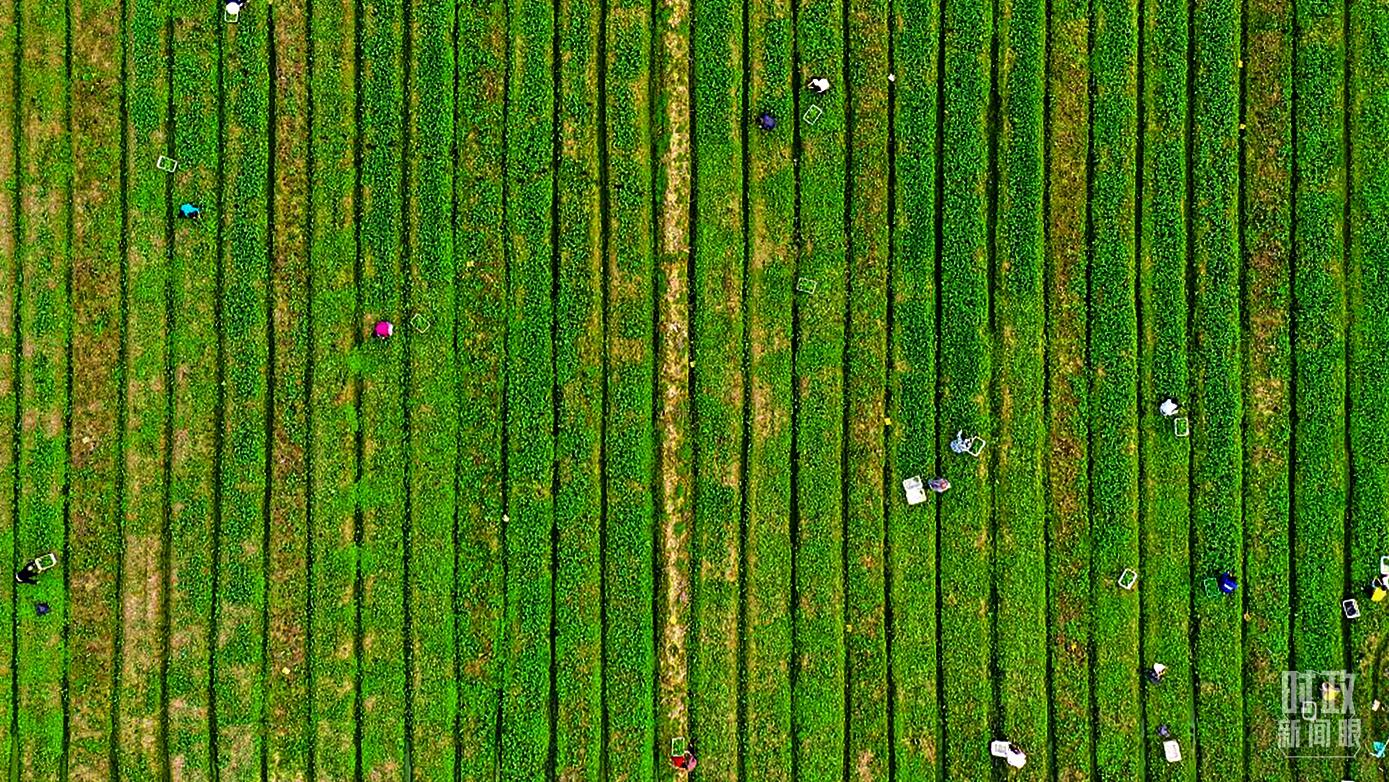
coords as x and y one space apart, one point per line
673 379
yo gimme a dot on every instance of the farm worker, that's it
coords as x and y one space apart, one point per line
1156 673
42 609
1168 407
1016 757
685 760
1377 588
1164 732
1228 584
27 575
234 7
961 443
766 121
384 329
819 85
938 485
189 212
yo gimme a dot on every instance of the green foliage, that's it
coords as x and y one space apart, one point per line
1164 493
381 490
238 618
717 381
628 567
817 707
1216 404
529 408
1113 367
911 532
432 422
965 369
579 378
1369 334
1020 509
194 404
1267 375
770 282
9 360
480 305
1319 347
332 440
44 323
148 425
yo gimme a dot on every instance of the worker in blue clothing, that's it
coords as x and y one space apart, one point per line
190 212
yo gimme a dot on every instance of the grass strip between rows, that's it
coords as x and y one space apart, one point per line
9 361
93 554
1266 369
1068 392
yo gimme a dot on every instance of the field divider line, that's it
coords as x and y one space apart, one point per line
170 313
271 240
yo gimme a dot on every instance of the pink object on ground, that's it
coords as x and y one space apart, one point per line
384 329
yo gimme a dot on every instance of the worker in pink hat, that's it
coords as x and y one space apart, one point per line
384 329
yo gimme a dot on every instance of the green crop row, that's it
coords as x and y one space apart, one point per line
287 589
333 400
1068 392
1113 416
239 618
1319 316
93 552
44 323
1020 506
769 283
911 532
1217 405
480 307
868 259
525 709
1368 105
716 344
194 390
432 421
1164 493
148 364
381 492
1266 370
818 708
579 380
629 448
9 358
965 371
